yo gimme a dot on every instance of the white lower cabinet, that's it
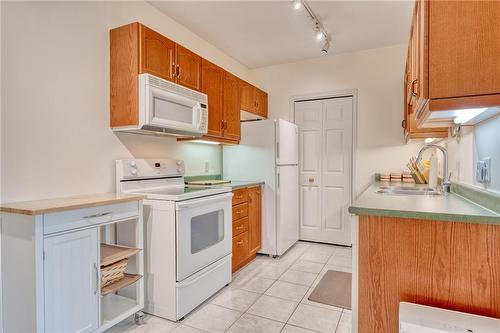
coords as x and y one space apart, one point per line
71 282
52 265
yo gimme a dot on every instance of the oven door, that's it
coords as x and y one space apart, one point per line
203 228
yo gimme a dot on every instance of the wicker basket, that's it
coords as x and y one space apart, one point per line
113 272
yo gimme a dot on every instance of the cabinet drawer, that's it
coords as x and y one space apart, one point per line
79 218
240 211
240 196
240 248
240 226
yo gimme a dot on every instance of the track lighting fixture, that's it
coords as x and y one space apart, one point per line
318 28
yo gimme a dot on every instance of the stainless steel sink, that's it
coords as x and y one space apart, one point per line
407 190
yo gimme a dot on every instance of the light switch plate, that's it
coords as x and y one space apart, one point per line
483 171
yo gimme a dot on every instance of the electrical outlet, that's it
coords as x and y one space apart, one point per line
483 171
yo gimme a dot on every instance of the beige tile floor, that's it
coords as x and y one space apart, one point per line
268 295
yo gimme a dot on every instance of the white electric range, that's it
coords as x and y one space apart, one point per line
187 233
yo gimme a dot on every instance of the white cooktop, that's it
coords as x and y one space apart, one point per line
159 179
181 193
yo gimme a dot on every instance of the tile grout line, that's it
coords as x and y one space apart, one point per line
252 275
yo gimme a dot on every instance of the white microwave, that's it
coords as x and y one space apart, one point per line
169 109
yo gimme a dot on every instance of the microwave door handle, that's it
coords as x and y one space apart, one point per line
197 110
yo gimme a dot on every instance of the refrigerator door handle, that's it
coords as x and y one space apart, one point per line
278 151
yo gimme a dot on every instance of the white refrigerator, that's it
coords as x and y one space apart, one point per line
269 152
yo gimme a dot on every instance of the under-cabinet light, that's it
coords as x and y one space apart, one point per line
297 4
429 140
207 142
467 114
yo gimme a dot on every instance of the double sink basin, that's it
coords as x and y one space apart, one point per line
407 190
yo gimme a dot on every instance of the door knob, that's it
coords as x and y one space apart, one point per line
311 179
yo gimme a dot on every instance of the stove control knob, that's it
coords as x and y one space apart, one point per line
179 162
133 171
132 163
179 169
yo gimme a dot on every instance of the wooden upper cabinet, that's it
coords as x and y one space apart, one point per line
253 99
415 91
188 68
137 49
254 218
261 102
156 54
231 107
124 65
161 57
248 102
453 58
464 44
212 84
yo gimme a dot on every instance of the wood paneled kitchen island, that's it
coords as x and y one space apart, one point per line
441 251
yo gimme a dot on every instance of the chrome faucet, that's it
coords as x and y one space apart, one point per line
446 177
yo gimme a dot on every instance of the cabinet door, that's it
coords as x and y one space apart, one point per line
248 102
71 282
231 107
212 83
188 68
413 63
261 102
240 250
156 54
465 46
254 218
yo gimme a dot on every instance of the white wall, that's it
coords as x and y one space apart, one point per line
56 139
477 143
377 74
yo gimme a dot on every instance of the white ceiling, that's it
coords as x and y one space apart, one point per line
263 33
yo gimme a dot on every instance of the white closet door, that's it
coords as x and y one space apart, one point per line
71 282
325 128
308 116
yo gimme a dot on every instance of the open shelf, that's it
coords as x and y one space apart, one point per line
113 253
127 280
115 307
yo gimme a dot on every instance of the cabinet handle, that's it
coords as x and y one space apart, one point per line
403 123
96 270
239 227
179 71
222 126
97 215
238 212
174 71
311 179
239 243
414 84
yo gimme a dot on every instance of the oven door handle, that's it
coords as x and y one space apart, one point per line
203 201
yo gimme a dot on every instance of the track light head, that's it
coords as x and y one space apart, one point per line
297 4
326 47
